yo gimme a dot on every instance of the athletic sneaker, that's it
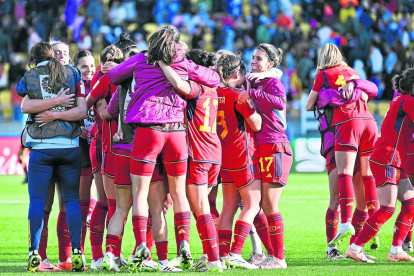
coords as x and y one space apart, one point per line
142 253
34 261
66 265
186 258
96 265
256 258
223 262
175 261
272 262
375 242
212 267
46 266
123 261
77 262
408 246
201 263
236 261
358 255
401 256
168 268
149 266
109 263
346 230
334 255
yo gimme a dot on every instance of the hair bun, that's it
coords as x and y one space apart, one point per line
125 37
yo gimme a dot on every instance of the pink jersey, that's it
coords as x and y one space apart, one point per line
269 97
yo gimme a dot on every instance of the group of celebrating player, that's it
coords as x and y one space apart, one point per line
165 126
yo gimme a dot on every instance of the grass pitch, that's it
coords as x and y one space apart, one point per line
303 206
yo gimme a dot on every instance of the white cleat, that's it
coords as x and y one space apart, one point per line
109 263
256 258
96 265
175 261
201 263
168 268
149 266
223 262
346 230
212 267
272 262
236 261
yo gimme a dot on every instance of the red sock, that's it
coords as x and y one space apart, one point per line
96 228
84 205
371 196
63 237
139 224
44 236
150 238
261 225
214 212
177 240
358 220
224 242
111 243
373 224
276 235
162 250
92 204
207 232
331 224
241 231
404 222
183 221
408 238
111 208
346 197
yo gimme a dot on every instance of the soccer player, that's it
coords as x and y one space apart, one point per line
355 131
157 111
239 172
204 152
53 139
388 162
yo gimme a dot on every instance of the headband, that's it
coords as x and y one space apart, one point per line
266 52
238 67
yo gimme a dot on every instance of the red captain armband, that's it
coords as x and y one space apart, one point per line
80 90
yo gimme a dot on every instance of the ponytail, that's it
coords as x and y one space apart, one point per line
404 82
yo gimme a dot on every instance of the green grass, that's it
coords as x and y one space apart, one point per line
303 208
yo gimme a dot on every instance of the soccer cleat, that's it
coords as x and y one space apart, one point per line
109 263
123 261
46 266
223 262
96 265
408 246
272 262
66 265
168 268
201 263
149 266
175 261
34 261
256 258
346 230
236 261
77 262
375 242
358 255
334 255
186 258
212 267
141 254
401 256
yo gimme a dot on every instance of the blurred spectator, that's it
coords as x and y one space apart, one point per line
140 42
85 41
359 67
5 45
16 72
117 14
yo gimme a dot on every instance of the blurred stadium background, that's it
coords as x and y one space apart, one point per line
375 36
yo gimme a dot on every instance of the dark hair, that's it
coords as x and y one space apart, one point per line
79 55
404 83
43 51
111 53
273 54
228 64
161 45
126 44
201 57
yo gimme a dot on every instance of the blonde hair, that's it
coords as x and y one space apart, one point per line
329 57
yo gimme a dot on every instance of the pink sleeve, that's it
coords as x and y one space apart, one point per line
368 87
202 74
113 106
274 95
333 98
124 71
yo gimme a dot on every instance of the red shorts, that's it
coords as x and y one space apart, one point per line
172 146
356 135
86 171
331 162
122 172
95 152
200 173
240 178
275 162
108 164
386 174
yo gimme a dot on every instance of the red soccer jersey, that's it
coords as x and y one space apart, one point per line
396 132
104 89
204 144
239 147
335 78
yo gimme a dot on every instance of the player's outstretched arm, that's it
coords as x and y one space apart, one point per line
180 85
